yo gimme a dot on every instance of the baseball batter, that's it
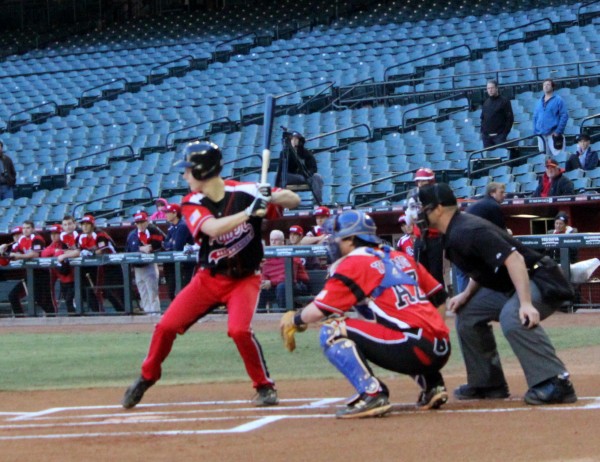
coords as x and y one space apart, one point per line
224 216
400 328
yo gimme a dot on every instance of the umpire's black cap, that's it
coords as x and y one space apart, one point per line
433 195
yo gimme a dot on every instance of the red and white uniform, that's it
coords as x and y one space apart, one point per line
315 231
228 275
27 244
69 239
406 244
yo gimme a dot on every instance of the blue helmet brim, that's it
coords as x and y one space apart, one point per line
182 164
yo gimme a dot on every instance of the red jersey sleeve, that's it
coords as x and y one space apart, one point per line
195 215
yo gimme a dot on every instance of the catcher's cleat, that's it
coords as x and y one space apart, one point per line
433 398
266 396
135 392
366 406
466 391
557 390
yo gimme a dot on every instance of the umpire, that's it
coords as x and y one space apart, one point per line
499 289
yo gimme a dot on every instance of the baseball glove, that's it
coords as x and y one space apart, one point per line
289 329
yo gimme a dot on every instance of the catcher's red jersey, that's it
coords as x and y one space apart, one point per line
401 307
238 252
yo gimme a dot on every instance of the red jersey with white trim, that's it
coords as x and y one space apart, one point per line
406 244
32 243
315 231
401 307
69 239
105 243
237 253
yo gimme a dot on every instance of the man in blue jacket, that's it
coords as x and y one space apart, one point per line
550 119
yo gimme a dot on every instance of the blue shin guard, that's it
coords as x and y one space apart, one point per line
342 353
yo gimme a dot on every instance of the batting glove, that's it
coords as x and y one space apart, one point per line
265 190
258 208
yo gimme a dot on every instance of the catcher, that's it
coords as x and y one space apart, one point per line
399 328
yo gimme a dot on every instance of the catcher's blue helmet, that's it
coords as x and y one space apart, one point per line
203 157
353 223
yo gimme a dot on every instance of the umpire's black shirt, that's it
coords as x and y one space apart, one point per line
479 248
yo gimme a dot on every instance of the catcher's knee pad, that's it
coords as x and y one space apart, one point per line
343 354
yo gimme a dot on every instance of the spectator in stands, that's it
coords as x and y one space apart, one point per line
489 206
423 177
160 209
146 240
496 117
273 276
584 158
297 165
63 273
553 182
29 246
550 119
178 237
8 175
406 243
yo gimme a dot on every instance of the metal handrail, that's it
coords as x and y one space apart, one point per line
170 146
301 105
121 79
81 204
521 27
234 39
585 119
347 90
283 95
375 181
70 161
582 7
26 111
150 76
506 162
339 130
256 170
431 103
385 73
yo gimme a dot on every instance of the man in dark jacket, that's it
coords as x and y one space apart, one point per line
553 182
297 165
584 158
8 175
496 117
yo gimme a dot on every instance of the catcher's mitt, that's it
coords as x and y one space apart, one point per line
289 329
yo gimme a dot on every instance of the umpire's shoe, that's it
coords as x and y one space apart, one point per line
433 398
366 406
557 390
466 391
135 392
266 396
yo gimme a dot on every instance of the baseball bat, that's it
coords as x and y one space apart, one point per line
267 129
266 152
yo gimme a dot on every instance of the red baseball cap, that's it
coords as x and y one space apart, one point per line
322 211
297 229
175 208
88 219
424 174
140 217
55 228
16 230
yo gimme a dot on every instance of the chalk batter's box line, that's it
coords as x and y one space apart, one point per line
257 423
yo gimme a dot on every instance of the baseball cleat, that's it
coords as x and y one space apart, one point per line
266 396
466 391
557 390
433 398
134 394
366 406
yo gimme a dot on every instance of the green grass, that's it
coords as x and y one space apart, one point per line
79 360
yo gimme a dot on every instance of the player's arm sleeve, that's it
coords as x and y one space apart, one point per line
432 288
301 274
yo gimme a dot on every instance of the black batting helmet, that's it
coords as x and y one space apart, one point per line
203 157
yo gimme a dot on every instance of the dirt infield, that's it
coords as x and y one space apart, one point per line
217 422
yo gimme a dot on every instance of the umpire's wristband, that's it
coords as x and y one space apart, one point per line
298 319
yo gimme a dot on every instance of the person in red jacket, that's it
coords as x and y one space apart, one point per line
63 273
273 276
